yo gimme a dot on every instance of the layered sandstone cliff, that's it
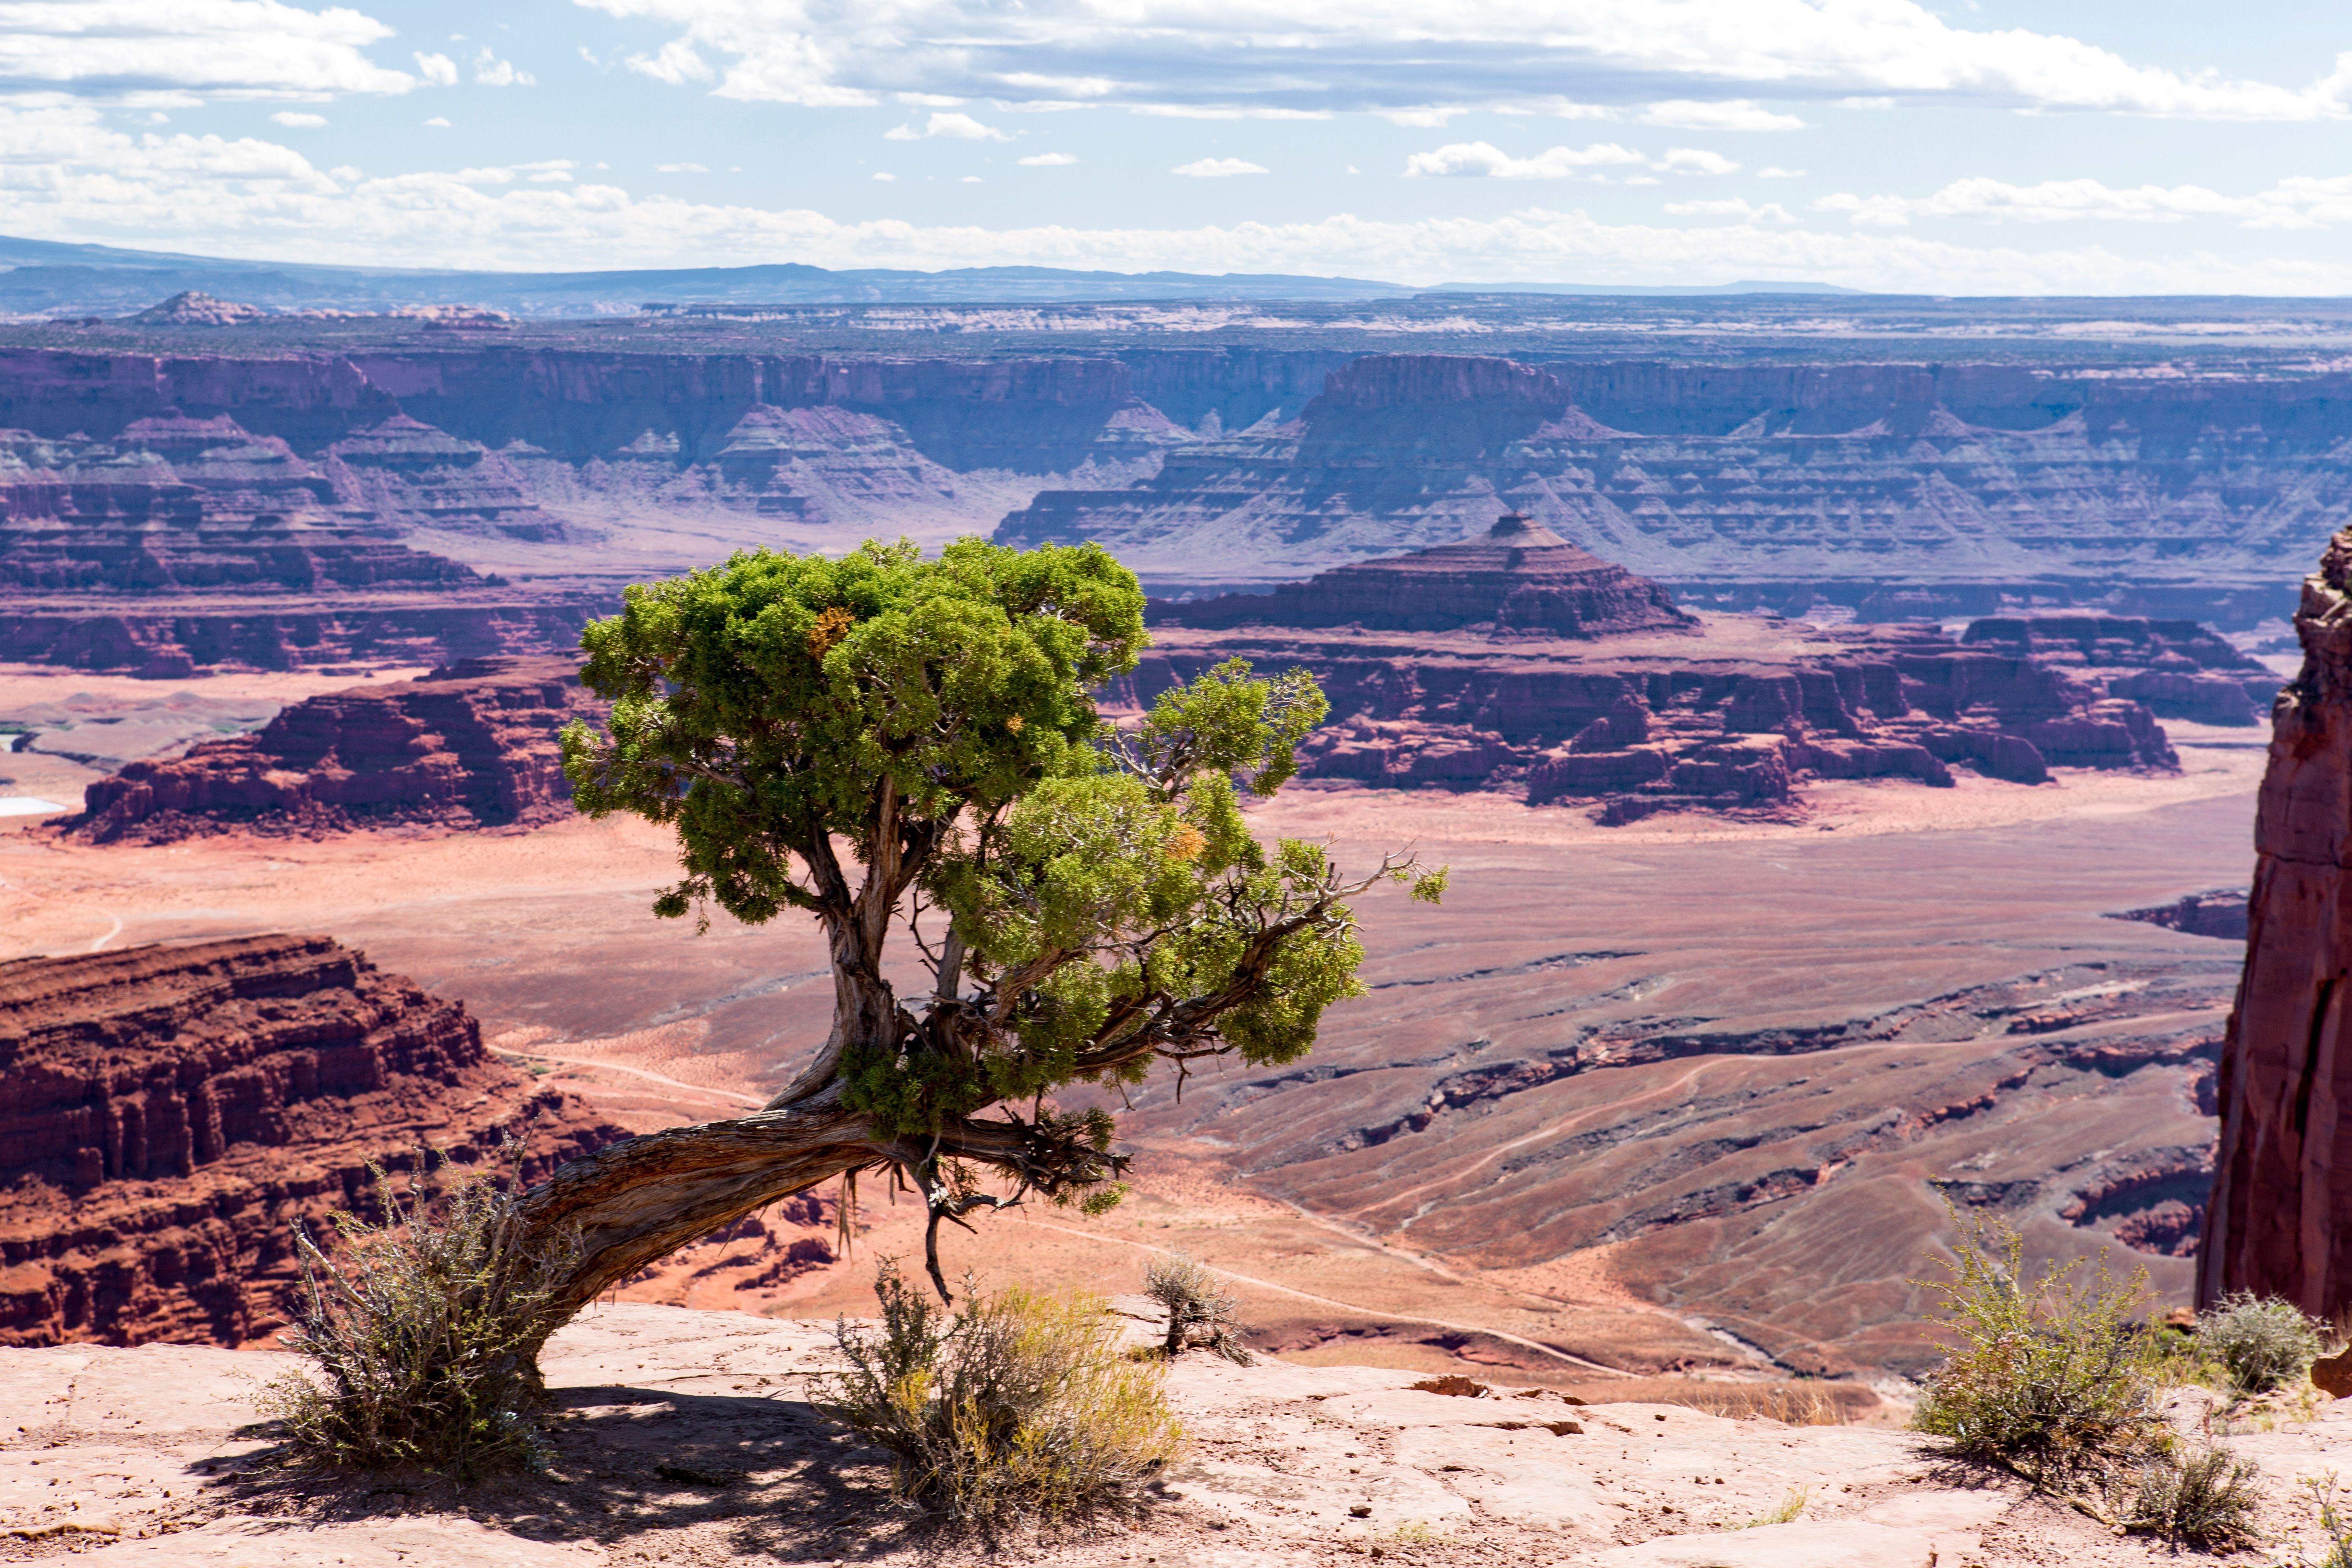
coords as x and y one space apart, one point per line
470 745
1518 576
167 1114
1894 488
2281 1217
1518 661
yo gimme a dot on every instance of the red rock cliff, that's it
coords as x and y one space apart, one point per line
2280 1222
470 745
167 1114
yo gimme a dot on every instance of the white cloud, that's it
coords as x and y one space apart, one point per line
1736 206
1486 161
675 63
440 122
1695 161
1428 117
1407 55
1227 112
885 179
491 71
1218 168
2302 201
232 48
66 173
1772 172
953 127
439 70
299 121
1738 115
1047 160
679 169
972 180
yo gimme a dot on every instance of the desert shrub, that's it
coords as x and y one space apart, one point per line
1020 1406
2258 1343
1197 1312
2206 1500
2053 1380
422 1335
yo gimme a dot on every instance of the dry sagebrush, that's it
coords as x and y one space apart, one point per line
1018 1407
423 1335
1199 1313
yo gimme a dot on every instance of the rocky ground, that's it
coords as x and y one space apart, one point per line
687 1438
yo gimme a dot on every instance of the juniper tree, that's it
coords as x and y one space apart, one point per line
909 752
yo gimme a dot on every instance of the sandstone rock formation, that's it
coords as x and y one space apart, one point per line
1896 490
1565 679
167 1114
470 745
2281 1219
2178 668
1518 576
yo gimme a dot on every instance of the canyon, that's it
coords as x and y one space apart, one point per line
182 497
169 1115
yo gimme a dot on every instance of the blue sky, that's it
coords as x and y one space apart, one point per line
2064 147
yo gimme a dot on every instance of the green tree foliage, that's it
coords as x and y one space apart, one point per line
911 750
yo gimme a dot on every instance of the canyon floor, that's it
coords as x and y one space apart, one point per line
685 1436
1368 1217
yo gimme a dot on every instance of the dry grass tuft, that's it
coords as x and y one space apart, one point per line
424 1338
1020 1408
1199 1313
2258 1343
2206 1500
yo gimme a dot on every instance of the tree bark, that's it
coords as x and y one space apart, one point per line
633 1204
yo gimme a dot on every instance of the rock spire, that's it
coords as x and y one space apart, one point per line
2280 1222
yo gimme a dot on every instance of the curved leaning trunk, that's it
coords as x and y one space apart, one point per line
635 1202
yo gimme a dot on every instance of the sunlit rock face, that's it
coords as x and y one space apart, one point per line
2281 1214
167 1115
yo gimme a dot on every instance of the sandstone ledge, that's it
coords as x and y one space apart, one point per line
687 1436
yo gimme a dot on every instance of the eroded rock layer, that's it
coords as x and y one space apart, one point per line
168 1113
1735 712
1518 576
2282 1207
470 745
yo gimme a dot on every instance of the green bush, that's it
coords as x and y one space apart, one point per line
1018 1407
2053 1380
1199 1314
2259 1342
424 1336
2206 1500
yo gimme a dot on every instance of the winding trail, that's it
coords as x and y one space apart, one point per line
633 1072
1534 1345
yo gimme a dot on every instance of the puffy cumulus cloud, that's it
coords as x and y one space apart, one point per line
675 63
231 48
2302 201
951 127
1484 160
1047 160
1736 114
297 121
1409 56
680 169
66 173
439 70
1218 168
